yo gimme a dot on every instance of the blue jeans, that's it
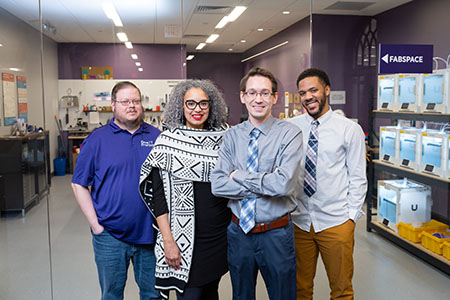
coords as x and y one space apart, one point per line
113 258
272 252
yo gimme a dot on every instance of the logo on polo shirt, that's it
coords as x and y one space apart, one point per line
147 143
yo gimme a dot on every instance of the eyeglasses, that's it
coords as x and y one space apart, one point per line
192 104
128 102
252 94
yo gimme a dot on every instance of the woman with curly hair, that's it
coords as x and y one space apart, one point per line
191 246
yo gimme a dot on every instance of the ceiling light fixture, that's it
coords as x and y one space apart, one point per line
231 49
190 57
237 11
14 69
286 12
1 45
140 69
134 56
122 36
222 22
138 64
212 38
260 29
129 45
200 46
111 13
243 41
265 51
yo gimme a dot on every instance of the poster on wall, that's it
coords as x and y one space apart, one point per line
23 97
9 99
89 72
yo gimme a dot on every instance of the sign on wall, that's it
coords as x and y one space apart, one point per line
23 97
9 99
405 59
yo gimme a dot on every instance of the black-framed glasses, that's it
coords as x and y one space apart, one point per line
128 102
192 104
252 94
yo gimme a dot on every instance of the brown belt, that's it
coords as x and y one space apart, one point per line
263 227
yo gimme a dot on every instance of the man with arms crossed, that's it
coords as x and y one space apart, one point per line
258 170
334 189
121 225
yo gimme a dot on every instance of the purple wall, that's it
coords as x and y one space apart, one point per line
158 61
334 49
225 70
285 62
417 22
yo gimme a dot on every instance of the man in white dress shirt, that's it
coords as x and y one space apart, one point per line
330 202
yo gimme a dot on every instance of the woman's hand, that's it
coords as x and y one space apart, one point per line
172 253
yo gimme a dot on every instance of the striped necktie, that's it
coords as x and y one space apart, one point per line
310 185
247 218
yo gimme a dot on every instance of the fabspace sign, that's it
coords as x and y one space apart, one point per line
405 59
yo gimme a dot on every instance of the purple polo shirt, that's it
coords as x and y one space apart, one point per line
110 162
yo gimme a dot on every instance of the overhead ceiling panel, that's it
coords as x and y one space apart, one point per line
148 21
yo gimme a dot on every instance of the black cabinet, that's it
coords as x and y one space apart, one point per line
24 167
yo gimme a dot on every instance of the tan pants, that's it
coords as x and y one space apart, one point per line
335 246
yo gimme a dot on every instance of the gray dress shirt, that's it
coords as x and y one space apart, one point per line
276 183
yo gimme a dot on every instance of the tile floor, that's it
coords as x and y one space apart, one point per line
382 270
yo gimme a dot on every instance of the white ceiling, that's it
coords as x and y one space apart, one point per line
147 21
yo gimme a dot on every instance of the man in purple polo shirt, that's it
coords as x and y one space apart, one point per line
121 225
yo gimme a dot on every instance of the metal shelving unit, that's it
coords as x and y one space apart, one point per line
375 166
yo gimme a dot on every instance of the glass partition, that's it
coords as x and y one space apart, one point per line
59 61
25 262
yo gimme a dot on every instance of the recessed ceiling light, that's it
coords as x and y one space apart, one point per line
286 12
243 41
1 45
140 69
14 69
129 45
212 38
231 49
190 57
134 56
200 46
138 64
122 36
260 29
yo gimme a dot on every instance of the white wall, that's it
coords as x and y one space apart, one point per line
156 92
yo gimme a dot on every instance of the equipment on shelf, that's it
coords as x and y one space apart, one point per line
403 200
435 91
428 93
389 144
434 152
387 92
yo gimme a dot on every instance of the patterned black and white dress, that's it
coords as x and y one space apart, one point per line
175 179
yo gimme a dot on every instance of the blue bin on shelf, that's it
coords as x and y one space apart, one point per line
59 163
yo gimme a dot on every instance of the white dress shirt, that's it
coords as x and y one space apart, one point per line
340 173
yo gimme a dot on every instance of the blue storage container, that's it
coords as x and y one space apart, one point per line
59 164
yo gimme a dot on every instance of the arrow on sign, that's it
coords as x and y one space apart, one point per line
386 58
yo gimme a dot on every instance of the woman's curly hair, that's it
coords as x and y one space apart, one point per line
174 112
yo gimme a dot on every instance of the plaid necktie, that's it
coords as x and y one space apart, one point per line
247 218
310 185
